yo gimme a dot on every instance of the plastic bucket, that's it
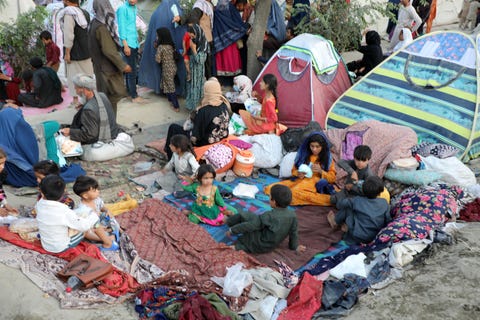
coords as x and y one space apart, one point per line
244 161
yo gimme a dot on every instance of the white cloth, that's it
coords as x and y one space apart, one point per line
407 39
100 151
83 211
406 17
54 221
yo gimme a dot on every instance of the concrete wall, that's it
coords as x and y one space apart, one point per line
10 11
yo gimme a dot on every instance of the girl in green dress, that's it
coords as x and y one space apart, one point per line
209 206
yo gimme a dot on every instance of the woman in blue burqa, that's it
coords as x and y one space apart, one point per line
150 72
19 142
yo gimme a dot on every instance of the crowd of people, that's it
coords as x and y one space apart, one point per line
100 55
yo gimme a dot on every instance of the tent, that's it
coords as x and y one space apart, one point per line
430 86
311 76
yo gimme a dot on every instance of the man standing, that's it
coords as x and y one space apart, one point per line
127 30
107 61
407 18
47 88
74 22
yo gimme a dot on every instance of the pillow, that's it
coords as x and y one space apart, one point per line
267 149
453 170
219 155
415 177
286 165
419 212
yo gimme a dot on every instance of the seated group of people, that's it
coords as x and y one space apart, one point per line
314 175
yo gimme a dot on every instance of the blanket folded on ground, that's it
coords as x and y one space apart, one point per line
116 284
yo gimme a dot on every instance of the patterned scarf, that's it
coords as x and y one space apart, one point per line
200 39
105 14
105 134
77 13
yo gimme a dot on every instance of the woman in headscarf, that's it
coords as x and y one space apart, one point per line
313 173
166 58
198 55
210 122
242 87
372 55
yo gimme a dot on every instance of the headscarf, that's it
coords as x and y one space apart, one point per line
206 8
212 94
303 153
407 39
164 37
77 15
372 38
37 63
245 85
89 83
200 39
105 14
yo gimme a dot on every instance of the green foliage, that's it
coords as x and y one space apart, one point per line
342 23
20 40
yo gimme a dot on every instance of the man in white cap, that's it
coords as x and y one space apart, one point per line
95 125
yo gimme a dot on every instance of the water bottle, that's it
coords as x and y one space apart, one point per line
73 283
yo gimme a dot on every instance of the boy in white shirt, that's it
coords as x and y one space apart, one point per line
56 221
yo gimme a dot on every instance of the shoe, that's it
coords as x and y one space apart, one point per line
116 233
113 247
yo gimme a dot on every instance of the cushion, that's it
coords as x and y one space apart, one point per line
219 155
418 212
286 165
412 177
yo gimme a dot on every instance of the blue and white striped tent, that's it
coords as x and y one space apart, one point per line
430 86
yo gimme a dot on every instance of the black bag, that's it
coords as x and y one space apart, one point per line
293 137
176 55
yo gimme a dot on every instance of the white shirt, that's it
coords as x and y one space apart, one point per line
406 17
54 220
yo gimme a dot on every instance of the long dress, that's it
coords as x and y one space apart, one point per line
165 58
197 80
150 73
268 111
207 208
304 191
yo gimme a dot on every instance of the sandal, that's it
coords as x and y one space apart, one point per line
113 247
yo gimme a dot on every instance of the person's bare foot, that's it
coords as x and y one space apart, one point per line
186 212
344 228
139 100
331 220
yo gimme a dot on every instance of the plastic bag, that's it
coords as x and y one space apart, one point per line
67 147
236 280
236 125
253 106
23 225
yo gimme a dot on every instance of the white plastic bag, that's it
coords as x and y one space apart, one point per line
253 106
236 280
452 169
236 125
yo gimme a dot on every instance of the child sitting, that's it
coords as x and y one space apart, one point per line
362 217
56 220
91 204
358 170
209 206
181 166
263 233
5 208
44 168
